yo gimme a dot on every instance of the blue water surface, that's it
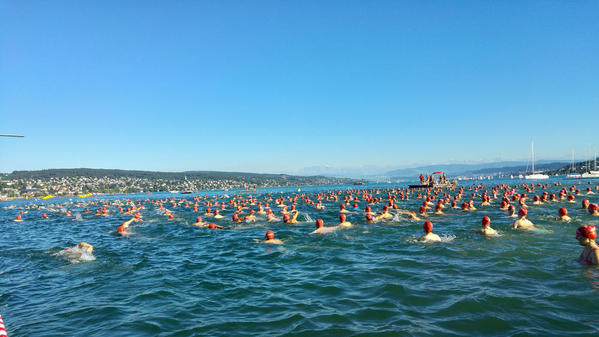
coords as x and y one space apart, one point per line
174 279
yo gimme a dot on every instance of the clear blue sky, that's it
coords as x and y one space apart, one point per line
278 86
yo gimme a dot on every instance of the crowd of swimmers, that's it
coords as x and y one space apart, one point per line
436 200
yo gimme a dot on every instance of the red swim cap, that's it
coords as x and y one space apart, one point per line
319 223
427 227
286 217
342 217
18 217
593 207
438 207
342 206
171 216
522 212
486 221
421 209
385 208
587 231
367 208
570 197
199 219
121 229
562 211
251 212
137 215
235 217
211 226
368 217
269 235
465 205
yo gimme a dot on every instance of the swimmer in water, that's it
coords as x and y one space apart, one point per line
439 210
593 209
199 222
511 211
429 236
585 204
291 219
236 218
422 212
85 246
18 218
385 215
563 215
122 230
320 229
586 236
486 227
342 209
251 217
75 253
523 222
270 238
217 215
213 226
343 222
270 216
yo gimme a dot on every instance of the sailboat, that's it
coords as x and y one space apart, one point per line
572 173
592 173
533 175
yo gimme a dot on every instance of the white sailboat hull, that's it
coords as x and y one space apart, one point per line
591 174
536 176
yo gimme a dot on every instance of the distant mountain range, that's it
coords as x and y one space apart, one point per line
452 170
495 168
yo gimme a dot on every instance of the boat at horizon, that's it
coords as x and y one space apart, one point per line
533 175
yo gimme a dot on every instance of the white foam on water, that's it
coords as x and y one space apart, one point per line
75 255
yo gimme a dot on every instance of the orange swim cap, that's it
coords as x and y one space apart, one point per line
486 221
587 231
522 212
427 226
562 211
319 223
269 235
342 217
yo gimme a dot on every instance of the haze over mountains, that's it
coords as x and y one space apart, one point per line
453 170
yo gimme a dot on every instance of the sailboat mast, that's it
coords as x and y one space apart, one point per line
532 146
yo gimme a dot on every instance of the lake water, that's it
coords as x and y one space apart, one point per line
174 279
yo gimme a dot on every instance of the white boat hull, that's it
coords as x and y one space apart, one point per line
536 176
592 174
